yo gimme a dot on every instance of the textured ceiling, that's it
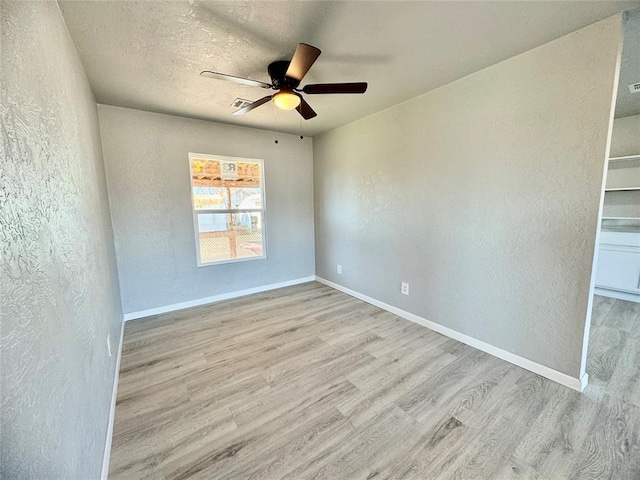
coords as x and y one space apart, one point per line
148 55
626 102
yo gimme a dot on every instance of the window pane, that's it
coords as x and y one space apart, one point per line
221 173
210 198
224 236
246 198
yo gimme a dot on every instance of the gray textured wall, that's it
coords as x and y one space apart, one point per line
483 195
59 296
146 160
625 139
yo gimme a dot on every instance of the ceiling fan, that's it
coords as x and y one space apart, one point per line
285 78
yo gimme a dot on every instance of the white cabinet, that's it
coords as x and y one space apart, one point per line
618 269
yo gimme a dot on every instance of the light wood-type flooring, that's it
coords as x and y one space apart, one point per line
308 383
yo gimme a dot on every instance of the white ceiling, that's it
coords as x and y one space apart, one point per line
148 55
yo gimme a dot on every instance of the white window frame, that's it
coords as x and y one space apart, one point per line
262 211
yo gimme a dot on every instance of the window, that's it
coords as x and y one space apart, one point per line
227 196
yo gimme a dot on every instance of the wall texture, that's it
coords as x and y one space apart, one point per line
149 189
625 139
59 296
483 195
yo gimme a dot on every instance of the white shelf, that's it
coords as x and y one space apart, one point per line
621 189
620 218
628 157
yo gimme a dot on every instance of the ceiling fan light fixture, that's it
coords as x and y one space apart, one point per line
286 100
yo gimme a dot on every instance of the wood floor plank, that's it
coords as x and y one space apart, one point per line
149 448
420 401
378 394
431 452
322 435
625 381
606 347
601 308
307 382
474 396
515 469
612 449
493 438
354 456
554 441
256 437
618 316
634 331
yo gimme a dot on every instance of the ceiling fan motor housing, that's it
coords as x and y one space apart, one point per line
277 72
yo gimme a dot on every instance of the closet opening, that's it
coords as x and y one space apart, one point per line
612 334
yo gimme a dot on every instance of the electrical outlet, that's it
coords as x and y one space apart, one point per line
404 288
339 269
109 343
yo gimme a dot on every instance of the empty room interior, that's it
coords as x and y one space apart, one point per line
320 239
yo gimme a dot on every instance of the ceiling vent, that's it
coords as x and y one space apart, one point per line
635 88
241 103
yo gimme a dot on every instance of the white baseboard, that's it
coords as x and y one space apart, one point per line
578 384
112 411
629 297
216 298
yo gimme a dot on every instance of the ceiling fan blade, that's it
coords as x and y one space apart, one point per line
302 60
305 110
231 78
253 105
359 87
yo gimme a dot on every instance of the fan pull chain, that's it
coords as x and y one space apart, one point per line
275 121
